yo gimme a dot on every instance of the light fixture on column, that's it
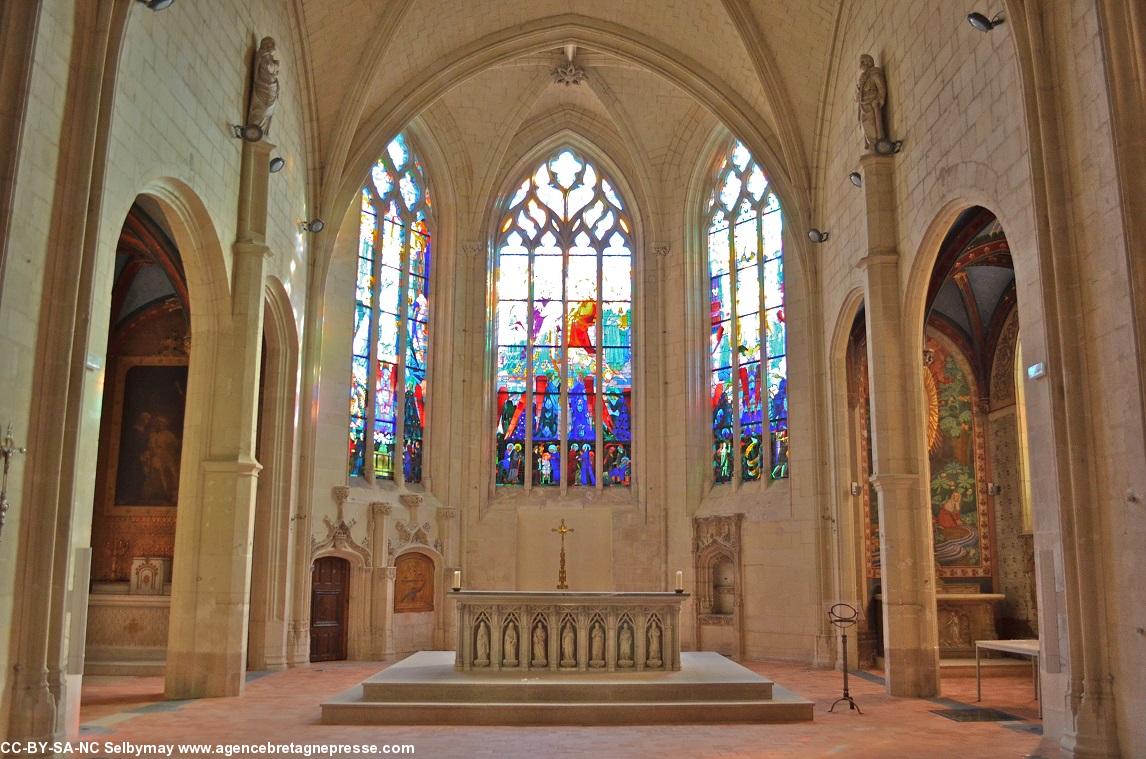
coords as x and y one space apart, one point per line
982 23
277 164
158 5
888 147
247 132
314 226
856 178
817 236
856 489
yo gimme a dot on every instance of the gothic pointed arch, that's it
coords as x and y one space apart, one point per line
748 370
563 383
391 319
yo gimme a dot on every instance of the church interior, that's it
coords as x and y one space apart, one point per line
575 342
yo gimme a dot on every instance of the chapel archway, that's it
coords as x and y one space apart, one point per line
140 452
975 443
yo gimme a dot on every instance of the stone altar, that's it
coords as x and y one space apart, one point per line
562 631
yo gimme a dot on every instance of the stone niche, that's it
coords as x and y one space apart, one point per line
719 588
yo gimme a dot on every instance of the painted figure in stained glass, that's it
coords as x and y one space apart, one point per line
391 321
748 328
563 328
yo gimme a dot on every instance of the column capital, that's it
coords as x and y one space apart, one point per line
878 258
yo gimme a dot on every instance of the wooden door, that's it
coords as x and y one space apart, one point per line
329 600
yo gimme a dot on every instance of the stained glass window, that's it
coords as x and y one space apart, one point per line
391 320
749 374
564 375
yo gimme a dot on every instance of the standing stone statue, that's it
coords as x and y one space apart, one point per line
597 645
264 86
654 655
871 95
539 656
568 655
625 647
509 645
482 644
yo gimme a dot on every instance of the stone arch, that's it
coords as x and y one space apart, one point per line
272 557
697 310
592 34
358 634
430 630
847 559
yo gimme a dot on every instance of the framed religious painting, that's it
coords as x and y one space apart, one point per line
413 583
146 438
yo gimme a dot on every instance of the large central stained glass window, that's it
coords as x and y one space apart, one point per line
564 375
391 320
749 379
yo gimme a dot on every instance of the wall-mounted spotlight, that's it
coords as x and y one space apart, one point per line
817 236
158 5
888 147
856 489
277 164
856 178
314 226
984 24
247 132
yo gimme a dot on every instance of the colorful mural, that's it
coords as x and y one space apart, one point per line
956 451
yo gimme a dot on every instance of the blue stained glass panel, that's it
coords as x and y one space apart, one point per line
777 332
359 387
618 418
722 344
364 287
582 424
361 343
582 462
618 464
617 368
617 323
416 300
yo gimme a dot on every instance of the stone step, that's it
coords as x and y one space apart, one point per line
425 689
348 709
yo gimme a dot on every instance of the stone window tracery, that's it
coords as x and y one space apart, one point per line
391 320
749 375
563 330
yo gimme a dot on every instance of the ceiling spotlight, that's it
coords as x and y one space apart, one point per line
314 226
817 236
158 5
247 132
856 178
277 164
982 23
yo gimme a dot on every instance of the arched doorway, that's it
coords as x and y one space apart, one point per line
140 451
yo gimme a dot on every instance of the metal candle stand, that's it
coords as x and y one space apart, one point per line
844 616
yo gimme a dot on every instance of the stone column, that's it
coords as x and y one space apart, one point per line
446 617
206 649
906 555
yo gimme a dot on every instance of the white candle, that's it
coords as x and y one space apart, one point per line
680 581
457 579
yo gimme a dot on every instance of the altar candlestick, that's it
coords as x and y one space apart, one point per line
457 579
679 581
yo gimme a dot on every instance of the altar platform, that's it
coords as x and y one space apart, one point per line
428 689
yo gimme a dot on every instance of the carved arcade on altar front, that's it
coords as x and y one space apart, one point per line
567 632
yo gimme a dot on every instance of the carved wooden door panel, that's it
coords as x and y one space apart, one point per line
329 600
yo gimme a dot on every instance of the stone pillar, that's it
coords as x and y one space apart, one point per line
911 643
446 612
206 649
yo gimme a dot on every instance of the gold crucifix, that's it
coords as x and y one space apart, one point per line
561 530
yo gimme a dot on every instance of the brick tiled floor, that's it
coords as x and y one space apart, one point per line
283 707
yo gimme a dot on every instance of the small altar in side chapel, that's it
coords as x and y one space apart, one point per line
560 657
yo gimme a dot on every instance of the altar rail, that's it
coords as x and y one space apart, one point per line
567 632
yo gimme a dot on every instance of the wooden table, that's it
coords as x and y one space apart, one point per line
1028 647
